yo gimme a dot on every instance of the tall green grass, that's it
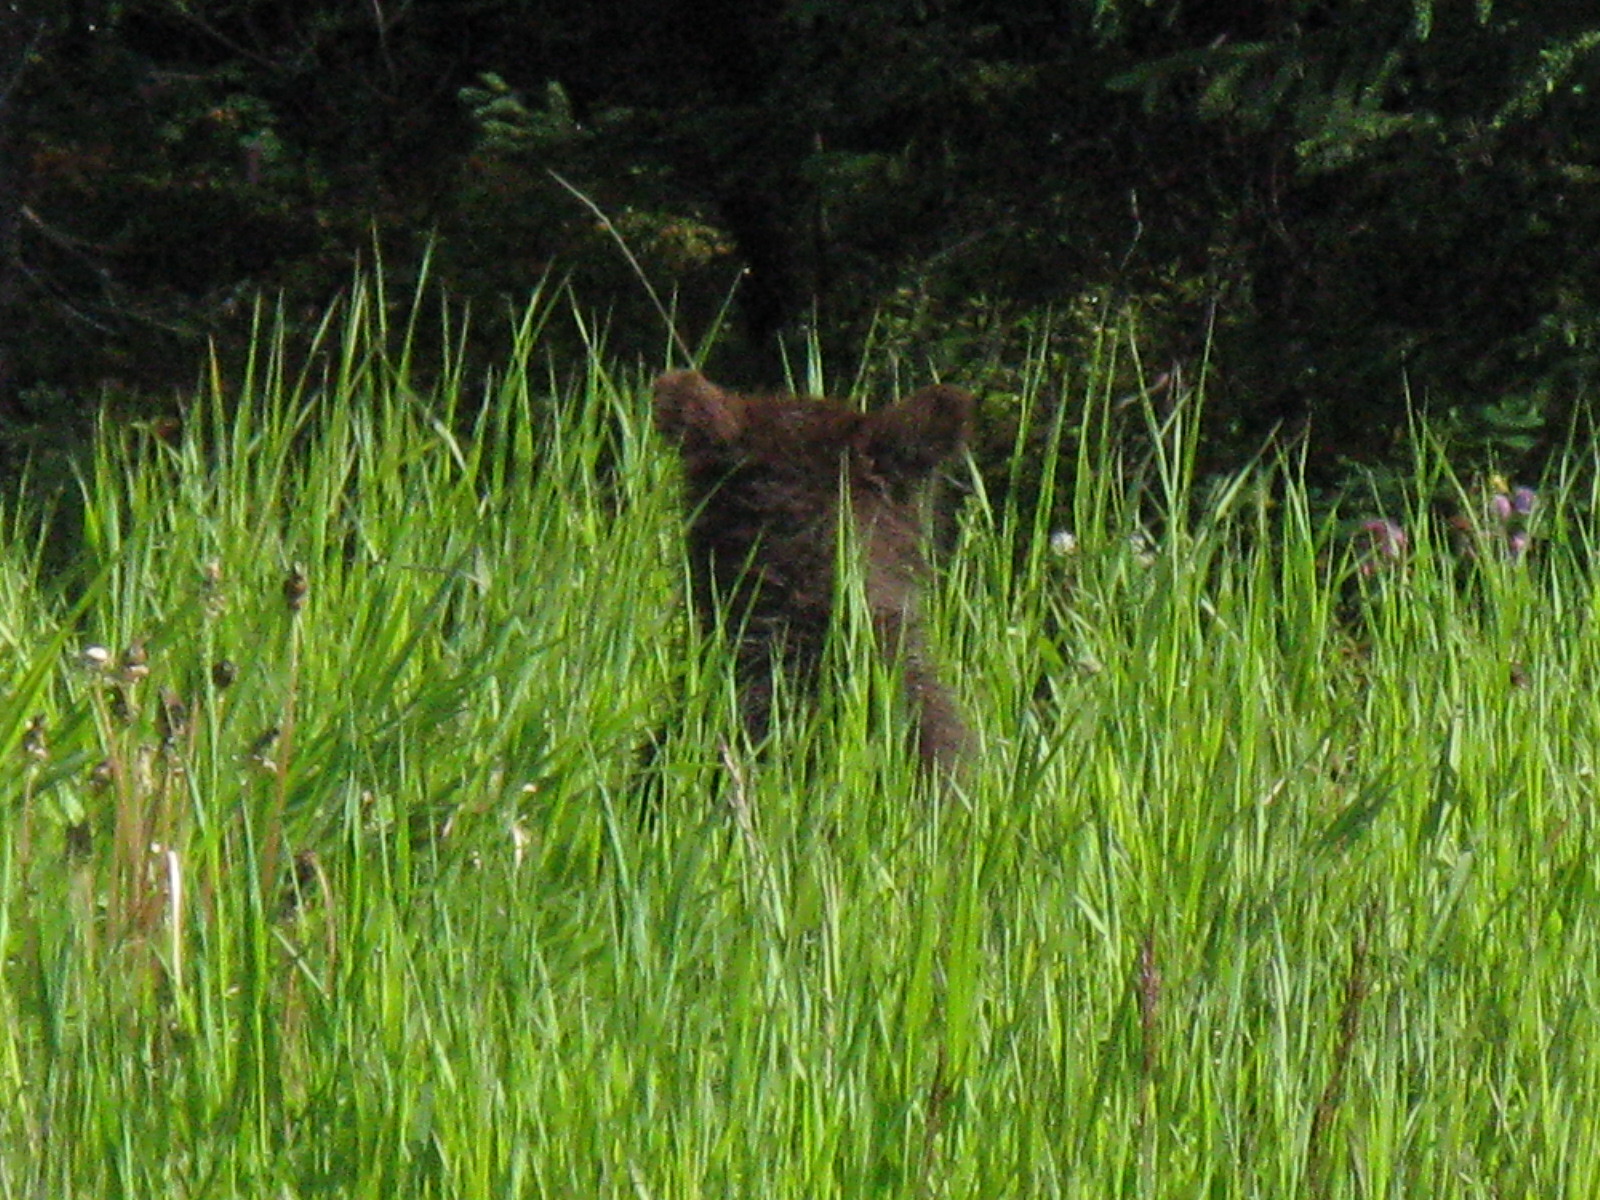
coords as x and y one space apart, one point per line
1273 877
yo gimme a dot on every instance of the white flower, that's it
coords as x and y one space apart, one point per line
1063 542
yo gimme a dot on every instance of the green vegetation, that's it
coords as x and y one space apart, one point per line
1276 876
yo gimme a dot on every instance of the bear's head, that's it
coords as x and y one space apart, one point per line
797 446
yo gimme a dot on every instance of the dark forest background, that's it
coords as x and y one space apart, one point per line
1341 205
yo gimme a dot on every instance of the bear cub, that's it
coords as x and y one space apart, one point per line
764 479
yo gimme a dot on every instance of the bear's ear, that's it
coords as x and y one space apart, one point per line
909 439
689 407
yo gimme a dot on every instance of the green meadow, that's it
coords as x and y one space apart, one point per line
324 868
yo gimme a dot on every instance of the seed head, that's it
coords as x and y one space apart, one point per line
295 588
34 744
172 718
135 661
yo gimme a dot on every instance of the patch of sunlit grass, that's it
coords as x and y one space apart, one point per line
326 869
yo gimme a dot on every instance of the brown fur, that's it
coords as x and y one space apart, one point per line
763 477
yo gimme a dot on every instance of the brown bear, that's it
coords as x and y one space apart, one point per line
764 481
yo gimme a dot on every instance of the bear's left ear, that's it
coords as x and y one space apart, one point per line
909 439
690 408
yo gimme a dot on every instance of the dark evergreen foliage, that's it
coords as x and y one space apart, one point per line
1345 200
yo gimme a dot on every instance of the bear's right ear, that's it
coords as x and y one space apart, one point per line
911 438
690 407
